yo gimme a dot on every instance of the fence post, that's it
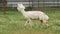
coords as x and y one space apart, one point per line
4 6
29 3
38 5
32 4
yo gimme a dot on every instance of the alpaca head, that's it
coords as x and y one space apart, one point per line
20 7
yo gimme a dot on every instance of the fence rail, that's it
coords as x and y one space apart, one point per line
32 3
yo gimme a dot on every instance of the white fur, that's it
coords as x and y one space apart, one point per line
32 14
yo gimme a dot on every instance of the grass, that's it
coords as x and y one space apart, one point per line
13 23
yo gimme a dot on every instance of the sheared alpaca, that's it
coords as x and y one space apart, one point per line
29 15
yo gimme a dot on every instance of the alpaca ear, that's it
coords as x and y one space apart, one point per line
21 6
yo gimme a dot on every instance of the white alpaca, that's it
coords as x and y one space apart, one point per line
33 15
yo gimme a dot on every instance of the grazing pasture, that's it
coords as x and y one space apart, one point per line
13 23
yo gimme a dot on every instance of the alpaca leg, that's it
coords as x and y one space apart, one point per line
30 22
42 22
26 22
45 23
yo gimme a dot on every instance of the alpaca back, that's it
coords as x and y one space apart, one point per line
34 14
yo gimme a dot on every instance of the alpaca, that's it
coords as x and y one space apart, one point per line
29 15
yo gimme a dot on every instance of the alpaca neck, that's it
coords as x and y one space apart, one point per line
23 12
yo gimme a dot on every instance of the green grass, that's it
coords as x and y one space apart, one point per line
13 23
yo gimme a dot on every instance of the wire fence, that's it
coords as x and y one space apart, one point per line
30 4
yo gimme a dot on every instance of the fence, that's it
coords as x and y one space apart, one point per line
30 4
37 3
